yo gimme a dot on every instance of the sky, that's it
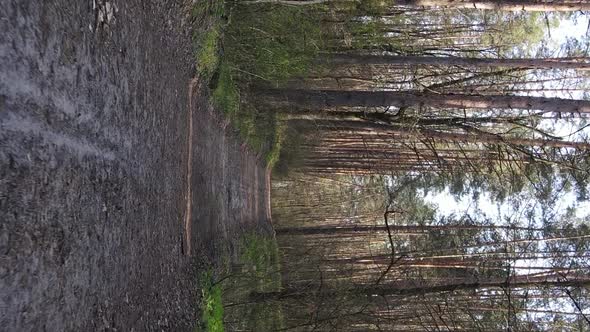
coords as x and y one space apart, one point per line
577 28
447 204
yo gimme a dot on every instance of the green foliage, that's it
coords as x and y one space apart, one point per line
273 156
208 9
360 8
207 43
257 271
373 7
272 42
207 54
211 304
261 42
226 96
260 256
515 33
257 129
368 35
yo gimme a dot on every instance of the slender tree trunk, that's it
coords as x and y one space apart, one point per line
287 2
410 288
356 127
512 5
515 5
368 59
401 229
323 99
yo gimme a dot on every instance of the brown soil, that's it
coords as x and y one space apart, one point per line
95 157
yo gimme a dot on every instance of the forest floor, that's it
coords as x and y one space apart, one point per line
118 181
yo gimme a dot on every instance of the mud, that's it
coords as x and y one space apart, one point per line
100 227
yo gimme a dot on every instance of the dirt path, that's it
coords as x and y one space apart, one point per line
94 162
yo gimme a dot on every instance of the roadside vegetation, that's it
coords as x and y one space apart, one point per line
226 303
211 304
257 271
254 45
247 46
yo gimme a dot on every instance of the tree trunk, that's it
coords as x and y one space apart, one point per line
323 99
515 5
512 5
410 288
379 228
368 59
356 126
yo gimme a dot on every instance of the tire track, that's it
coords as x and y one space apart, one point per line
189 172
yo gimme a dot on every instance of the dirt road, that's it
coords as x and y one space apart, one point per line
100 227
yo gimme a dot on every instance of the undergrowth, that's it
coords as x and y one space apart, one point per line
291 153
208 52
210 13
249 45
226 303
258 271
226 95
260 256
272 42
211 305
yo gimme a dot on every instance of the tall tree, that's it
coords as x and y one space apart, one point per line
324 99
409 61
509 5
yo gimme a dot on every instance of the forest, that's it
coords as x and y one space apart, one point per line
433 163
